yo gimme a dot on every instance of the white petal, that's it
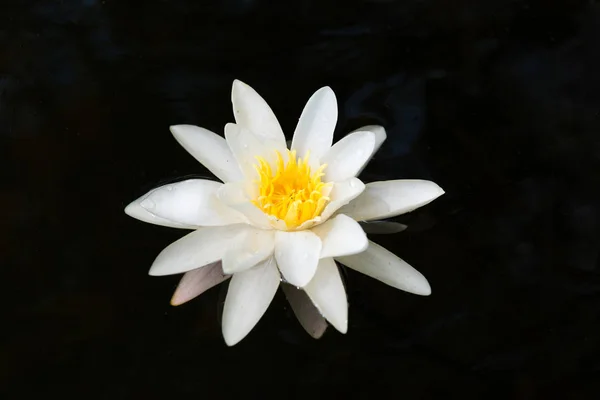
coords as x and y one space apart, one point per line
341 194
297 255
378 131
380 137
341 236
246 146
235 195
347 157
197 281
251 111
135 210
381 264
210 149
305 311
248 249
327 293
390 198
248 297
193 202
382 227
201 247
314 131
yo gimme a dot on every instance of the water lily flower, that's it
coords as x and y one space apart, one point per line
280 215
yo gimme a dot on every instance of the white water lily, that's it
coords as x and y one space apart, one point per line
280 215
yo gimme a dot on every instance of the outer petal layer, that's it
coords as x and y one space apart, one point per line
382 227
381 264
327 293
297 255
387 199
308 315
380 137
192 202
135 210
314 131
348 156
248 297
201 247
197 281
341 236
209 149
251 111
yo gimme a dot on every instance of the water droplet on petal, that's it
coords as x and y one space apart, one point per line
169 188
352 183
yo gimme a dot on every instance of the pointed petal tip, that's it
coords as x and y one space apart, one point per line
341 326
425 290
232 335
383 265
160 272
433 189
231 340
325 93
132 209
326 89
420 285
437 191
177 130
238 85
137 211
380 135
317 335
436 188
175 302
239 88
378 130
387 199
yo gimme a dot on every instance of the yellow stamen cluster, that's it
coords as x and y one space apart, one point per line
291 193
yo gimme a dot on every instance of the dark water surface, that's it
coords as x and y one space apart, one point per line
496 101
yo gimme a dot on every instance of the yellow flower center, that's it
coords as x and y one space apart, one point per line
291 193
